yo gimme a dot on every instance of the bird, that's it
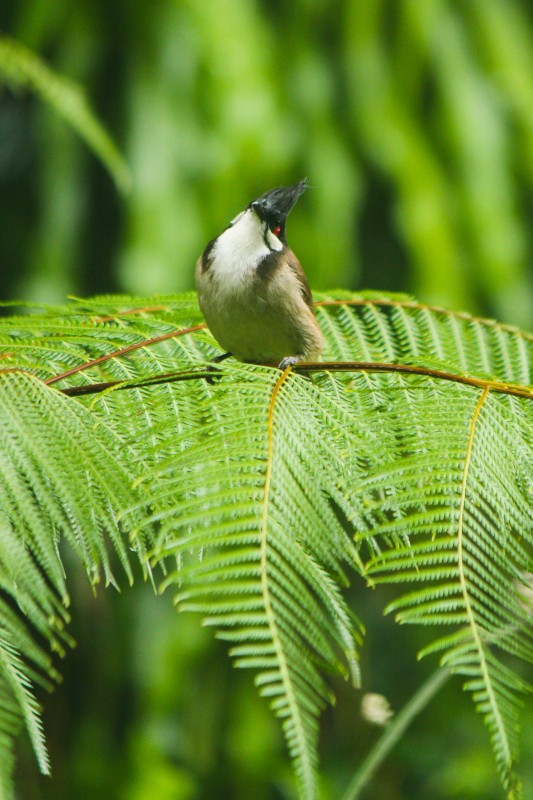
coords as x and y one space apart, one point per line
252 289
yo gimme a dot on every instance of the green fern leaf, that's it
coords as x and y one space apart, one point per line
405 457
59 479
267 545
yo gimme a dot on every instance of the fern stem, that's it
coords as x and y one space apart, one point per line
393 733
294 707
304 366
412 369
122 352
463 580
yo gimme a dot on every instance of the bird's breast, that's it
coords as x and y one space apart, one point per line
257 317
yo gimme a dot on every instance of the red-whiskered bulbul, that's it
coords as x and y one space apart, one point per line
252 290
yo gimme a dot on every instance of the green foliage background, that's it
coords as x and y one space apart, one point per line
414 124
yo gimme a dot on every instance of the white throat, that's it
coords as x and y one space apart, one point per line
240 248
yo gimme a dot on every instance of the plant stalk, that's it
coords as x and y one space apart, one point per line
394 731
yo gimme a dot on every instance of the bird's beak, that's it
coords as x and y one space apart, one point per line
279 202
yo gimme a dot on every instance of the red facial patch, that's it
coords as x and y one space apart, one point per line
276 231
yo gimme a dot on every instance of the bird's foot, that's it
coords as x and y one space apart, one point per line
221 357
216 360
289 361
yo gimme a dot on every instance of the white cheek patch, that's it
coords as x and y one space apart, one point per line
239 249
273 241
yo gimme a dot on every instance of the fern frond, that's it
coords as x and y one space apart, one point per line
474 558
401 330
267 545
406 457
59 479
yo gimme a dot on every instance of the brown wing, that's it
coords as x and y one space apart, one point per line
277 260
206 259
298 271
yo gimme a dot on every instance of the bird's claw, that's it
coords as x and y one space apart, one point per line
221 357
288 361
211 378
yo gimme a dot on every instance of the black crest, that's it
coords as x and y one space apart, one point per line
274 206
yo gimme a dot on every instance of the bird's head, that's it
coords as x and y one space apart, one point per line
274 206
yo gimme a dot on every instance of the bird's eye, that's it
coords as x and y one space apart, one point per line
276 230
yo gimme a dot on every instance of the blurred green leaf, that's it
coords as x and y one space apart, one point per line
20 68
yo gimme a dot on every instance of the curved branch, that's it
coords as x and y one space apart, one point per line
304 366
380 366
122 352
